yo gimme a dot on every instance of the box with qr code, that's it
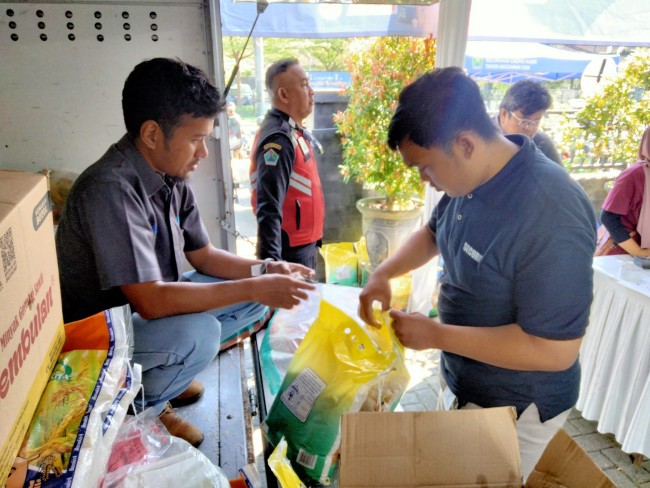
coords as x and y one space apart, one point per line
31 317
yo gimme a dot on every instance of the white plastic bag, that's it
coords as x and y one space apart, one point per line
145 455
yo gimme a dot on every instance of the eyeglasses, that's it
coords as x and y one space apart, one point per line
527 124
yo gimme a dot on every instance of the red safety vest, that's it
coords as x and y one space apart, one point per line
303 209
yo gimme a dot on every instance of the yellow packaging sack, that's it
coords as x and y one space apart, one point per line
400 290
340 366
363 260
281 467
340 263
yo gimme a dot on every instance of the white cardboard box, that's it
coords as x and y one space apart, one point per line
31 316
461 449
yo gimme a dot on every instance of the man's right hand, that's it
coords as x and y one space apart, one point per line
377 289
280 291
287 268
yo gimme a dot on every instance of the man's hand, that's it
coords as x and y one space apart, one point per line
377 289
280 290
414 330
285 268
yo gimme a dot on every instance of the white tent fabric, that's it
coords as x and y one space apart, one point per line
585 22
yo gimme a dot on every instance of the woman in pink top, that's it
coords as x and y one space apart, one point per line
626 211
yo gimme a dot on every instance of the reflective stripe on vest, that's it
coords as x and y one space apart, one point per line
300 183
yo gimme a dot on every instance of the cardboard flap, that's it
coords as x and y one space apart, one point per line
565 464
463 448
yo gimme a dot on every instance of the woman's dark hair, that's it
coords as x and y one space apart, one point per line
438 106
164 90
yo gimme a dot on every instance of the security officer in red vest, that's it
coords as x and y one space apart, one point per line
287 196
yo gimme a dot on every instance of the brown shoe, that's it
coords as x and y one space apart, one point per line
189 396
179 427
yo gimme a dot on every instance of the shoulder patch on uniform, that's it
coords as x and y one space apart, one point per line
272 145
271 157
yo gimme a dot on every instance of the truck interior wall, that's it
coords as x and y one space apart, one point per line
62 72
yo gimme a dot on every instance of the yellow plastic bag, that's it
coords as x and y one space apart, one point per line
281 467
400 290
340 366
363 266
340 263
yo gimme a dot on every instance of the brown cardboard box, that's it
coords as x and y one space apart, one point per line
460 449
31 317
565 465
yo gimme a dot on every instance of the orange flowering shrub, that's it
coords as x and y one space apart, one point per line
377 76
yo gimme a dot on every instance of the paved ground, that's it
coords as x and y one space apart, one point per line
422 393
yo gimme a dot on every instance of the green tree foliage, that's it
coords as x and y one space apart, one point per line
378 73
314 54
232 50
329 53
614 118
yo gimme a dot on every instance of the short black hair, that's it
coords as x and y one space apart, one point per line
276 68
436 107
527 96
163 90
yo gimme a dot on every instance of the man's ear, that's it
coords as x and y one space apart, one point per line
282 95
466 144
151 133
503 113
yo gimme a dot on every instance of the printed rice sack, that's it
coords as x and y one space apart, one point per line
69 439
288 327
340 366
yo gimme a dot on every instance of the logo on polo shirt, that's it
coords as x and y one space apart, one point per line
472 253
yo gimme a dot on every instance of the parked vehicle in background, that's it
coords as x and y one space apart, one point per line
244 97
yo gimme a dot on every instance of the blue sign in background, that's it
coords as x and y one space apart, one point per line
329 80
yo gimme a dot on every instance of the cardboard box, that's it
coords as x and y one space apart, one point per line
565 464
461 449
31 317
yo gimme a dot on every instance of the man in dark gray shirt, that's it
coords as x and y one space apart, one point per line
131 221
521 111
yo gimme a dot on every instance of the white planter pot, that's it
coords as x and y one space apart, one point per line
386 230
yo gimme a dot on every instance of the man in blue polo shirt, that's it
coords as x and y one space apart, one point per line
131 221
517 237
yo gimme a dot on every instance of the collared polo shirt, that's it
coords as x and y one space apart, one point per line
517 249
123 223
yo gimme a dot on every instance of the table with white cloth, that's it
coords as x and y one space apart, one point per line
615 354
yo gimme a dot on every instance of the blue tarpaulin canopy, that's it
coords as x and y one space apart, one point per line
505 28
328 20
581 22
